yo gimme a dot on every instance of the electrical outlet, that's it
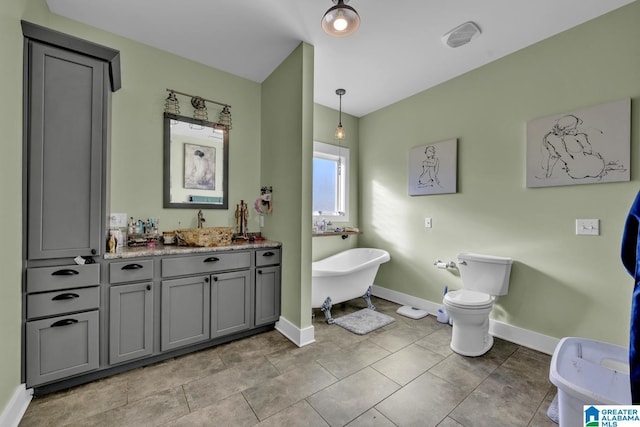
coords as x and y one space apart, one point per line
427 223
118 220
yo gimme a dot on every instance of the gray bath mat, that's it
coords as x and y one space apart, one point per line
363 321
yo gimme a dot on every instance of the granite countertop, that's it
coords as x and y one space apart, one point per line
160 249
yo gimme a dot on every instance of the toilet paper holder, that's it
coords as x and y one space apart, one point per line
445 265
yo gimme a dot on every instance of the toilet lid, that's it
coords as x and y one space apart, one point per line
468 299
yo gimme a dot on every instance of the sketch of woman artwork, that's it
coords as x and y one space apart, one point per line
199 167
430 167
568 145
585 147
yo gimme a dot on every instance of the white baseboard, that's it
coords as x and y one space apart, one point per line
299 337
524 337
17 406
514 334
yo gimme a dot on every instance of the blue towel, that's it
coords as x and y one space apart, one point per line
630 255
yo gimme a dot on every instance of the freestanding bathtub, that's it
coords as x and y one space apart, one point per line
344 276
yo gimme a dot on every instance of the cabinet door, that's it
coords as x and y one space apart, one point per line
267 295
230 303
184 311
66 98
61 346
130 321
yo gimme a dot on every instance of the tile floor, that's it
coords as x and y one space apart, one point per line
401 375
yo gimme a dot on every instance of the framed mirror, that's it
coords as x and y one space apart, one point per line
196 163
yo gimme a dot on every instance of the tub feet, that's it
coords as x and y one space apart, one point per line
367 298
326 309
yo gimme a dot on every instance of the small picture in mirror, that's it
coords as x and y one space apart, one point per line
199 167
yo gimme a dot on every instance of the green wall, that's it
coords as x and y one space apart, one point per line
11 195
325 120
561 284
287 149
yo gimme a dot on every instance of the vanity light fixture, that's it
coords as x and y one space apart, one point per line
340 20
224 118
340 135
200 109
172 105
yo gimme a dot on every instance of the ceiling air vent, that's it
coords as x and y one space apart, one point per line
461 35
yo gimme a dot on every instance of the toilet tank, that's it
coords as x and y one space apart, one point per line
485 273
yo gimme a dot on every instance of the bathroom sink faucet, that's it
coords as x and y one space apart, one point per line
200 218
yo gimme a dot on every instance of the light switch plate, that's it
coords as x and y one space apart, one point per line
427 223
118 220
588 227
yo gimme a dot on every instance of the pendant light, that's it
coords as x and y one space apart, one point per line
340 20
340 135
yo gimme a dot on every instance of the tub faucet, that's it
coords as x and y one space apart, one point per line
200 218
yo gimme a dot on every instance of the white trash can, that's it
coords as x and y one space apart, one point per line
588 372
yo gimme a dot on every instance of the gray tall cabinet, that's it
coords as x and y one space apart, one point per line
67 85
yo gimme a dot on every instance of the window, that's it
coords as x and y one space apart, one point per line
331 182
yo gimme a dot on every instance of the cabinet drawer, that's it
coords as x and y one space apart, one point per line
62 277
130 271
61 346
267 257
210 263
54 303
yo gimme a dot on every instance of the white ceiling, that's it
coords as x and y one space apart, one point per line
397 51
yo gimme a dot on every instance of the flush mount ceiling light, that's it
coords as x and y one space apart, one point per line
340 135
340 20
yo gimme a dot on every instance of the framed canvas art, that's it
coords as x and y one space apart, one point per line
587 146
433 168
199 167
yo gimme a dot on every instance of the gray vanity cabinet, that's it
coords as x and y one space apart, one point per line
185 311
130 321
61 330
130 310
230 303
267 285
61 347
66 104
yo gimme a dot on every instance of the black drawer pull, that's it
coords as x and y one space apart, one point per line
268 253
148 287
132 267
65 272
215 278
259 271
67 295
212 259
64 322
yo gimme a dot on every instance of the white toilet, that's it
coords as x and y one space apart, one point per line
484 277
